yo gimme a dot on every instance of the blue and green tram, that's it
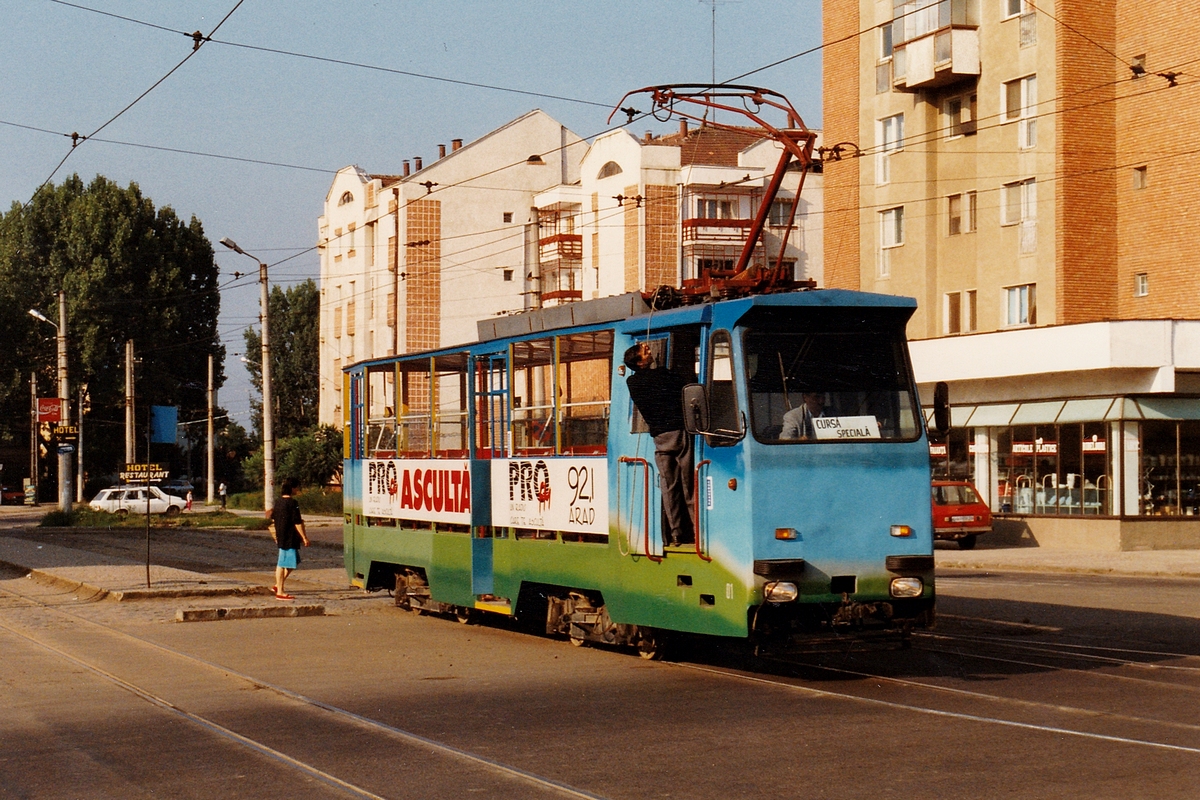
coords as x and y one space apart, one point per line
515 476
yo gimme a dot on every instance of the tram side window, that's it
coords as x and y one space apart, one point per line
381 412
533 388
584 391
678 350
416 408
722 396
450 392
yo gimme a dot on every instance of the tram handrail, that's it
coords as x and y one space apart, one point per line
645 502
696 505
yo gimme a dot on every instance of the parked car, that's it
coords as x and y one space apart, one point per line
123 500
177 487
958 513
12 495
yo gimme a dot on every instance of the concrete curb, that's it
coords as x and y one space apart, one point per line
1068 570
52 579
247 612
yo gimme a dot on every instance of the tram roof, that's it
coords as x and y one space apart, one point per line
632 305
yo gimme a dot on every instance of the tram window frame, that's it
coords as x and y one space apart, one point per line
381 422
892 392
677 349
533 387
450 404
584 376
720 383
414 421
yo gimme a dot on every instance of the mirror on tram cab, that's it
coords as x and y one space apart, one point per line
695 408
941 409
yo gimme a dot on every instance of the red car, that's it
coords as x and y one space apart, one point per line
958 513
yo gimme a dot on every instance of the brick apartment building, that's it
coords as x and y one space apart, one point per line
1027 175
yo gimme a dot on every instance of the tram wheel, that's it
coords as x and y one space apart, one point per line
652 646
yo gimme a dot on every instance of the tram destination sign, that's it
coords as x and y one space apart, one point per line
144 473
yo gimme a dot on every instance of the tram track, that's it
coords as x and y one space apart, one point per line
314 711
969 717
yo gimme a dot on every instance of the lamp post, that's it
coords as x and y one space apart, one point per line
267 415
64 394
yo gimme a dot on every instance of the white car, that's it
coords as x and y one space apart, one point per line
124 500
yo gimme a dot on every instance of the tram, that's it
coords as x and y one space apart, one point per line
515 475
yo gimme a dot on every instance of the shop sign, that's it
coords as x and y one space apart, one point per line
144 473
1040 447
1095 445
979 449
939 450
49 409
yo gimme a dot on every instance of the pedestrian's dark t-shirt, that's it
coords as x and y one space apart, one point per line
286 516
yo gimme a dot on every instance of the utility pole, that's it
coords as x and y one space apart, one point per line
64 396
130 455
267 413
210 460
33 435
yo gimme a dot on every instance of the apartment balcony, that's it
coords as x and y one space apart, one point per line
702 229
564 246
935 44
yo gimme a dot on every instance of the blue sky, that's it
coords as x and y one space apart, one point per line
71 69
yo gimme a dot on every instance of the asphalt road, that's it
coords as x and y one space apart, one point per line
1031 686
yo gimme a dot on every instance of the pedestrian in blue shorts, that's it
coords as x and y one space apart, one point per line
289 536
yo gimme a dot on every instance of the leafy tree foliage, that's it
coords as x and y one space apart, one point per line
295 368
313 458
129 271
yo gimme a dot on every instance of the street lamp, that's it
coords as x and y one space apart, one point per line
267 420
64 459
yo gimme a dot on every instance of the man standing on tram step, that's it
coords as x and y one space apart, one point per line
658 394
289 536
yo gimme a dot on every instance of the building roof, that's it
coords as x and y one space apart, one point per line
709 146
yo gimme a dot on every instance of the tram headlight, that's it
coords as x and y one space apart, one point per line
780 592
907 587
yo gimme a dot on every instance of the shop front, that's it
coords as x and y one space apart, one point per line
1114 472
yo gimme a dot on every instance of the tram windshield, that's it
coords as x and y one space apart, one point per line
827 386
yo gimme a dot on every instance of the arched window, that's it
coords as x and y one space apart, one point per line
534 159
345 198
609 169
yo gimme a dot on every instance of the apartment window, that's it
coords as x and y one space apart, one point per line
961 115
891 139
883 67
707 208
891 236
972 315
1013 8
1139 177
953 312
508 216
1141 284
1019 202
1021 303
781 212
1020 105
1138 65
960 212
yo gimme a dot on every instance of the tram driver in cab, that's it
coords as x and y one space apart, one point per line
657 392
798 423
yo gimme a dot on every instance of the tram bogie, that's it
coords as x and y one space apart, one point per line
516 475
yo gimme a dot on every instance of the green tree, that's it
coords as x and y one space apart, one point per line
295 368
129 271
313 458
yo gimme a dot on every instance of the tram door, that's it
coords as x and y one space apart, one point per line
641 509
492 442
354 427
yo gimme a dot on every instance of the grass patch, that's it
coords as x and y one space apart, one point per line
87 518
321 501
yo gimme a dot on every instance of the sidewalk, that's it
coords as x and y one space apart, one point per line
1141 563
